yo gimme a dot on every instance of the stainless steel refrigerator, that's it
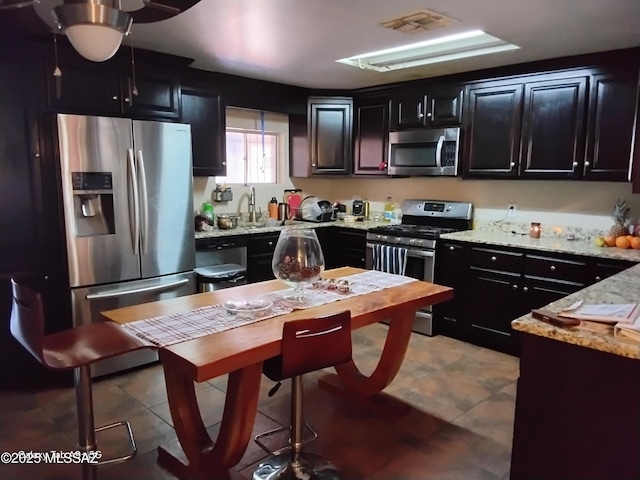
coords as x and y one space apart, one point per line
127 203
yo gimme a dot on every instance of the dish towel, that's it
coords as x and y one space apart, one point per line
389 259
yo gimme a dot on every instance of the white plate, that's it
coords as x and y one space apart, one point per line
248 306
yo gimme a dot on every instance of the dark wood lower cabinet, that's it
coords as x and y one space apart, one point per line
260 249
348 248
341 247
577 414
494 285
493 300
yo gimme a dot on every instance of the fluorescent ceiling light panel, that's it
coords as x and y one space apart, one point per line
452 47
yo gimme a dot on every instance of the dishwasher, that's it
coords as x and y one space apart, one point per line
221 262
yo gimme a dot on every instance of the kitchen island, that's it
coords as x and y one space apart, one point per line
578 398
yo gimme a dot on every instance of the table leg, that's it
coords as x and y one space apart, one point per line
206 459
351 382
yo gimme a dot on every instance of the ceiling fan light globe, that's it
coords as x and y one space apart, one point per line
94 29
94 42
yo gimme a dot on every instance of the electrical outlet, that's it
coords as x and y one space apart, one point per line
512 210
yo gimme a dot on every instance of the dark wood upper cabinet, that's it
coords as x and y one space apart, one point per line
158 93
330 125
553 133
612 109
429 107
371 138
204 110
107 88
408 110
84 86
444 106
492 130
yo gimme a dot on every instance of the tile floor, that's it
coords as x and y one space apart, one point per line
461 425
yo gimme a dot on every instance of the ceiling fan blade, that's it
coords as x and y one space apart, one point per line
11 4
158 10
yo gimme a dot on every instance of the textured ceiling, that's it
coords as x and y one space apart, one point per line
297 41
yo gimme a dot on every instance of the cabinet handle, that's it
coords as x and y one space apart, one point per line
586 164
515 287
313 164
420 114
575 164
512 164
270 244
493 259
127 100
224 163
452 248
525 289
115 97
598 278
553 268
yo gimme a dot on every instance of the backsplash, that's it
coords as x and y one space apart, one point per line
581 208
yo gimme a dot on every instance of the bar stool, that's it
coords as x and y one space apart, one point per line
76 348
307 345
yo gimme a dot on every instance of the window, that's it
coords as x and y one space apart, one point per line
251 157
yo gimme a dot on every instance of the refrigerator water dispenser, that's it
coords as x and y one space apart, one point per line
93 203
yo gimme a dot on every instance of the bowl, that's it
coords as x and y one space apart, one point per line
248 307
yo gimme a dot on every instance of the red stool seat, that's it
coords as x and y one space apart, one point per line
76 349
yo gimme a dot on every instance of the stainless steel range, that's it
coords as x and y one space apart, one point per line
423 221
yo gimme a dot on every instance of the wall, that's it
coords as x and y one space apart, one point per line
250 119
551 202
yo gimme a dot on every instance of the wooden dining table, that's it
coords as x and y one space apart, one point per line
241 351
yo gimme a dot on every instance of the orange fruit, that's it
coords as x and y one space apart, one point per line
609 241
629 237
635 243
623 242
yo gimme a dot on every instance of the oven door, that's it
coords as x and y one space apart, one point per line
420 265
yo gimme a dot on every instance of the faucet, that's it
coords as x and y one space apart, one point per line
252 204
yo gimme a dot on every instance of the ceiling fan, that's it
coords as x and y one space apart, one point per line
95 28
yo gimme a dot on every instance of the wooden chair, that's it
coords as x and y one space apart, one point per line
307 345
76 349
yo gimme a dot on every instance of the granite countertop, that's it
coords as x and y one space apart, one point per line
546 244
623 287
249 230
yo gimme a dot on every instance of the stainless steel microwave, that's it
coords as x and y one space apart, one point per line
431 151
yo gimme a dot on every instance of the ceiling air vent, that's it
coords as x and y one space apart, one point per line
422 21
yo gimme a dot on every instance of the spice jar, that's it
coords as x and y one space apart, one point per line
534 230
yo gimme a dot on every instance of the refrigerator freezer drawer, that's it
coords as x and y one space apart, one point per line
88 302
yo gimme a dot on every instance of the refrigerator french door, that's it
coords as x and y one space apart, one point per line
127 202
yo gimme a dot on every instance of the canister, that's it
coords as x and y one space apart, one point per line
283 211
365 211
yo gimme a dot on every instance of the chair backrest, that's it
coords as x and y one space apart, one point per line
315 343
27 320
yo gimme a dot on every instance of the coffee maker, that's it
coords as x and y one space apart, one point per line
360 209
